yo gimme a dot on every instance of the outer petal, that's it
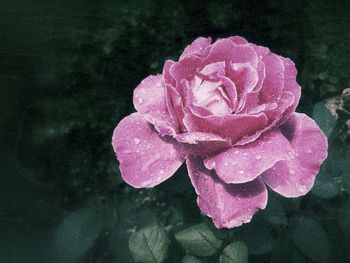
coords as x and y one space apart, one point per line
168 78
237 40
185 68
296 177
146 159
226 50
231 126
149 100
290 85
198 47
228 205
241 164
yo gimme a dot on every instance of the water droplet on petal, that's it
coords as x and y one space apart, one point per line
161 171
245 154
236 152
258 157
140 100
291 171
137 140
241 172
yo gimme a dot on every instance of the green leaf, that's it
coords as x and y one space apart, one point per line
236 252
325 190
198 240
275 213
311 239
324 118
149 245
77 234
257 235
190 259
344 219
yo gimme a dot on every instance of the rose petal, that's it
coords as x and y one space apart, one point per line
290 85
245 78
231 126
273 84
241 164
185 68
168 78
175 106
201 143
146 159
228 205
226 50
274 115
149 100
237 40
211 71
251 99
296 177
198 47
231 92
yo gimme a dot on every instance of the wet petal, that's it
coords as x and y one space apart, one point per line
296 177
201 143
175 106
186 68
251 99
226 50
290 85
146 159
211 71
168 78
237 40
230 126
273 84
198 47
149 100
241 164
245 78
229 205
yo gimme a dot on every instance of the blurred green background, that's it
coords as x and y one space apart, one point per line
67 73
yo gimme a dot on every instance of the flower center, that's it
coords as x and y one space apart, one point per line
210 95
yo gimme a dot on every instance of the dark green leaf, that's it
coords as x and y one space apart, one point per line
326 190
190 259
311 239
236 252
275 213
256 235
77 233
149 245
344 219
324 118
198 240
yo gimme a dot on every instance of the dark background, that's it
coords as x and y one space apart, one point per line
67 73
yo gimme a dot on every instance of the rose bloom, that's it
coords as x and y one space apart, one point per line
227 109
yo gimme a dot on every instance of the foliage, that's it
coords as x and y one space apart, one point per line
67 73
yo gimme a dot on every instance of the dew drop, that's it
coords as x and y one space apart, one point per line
140 100
137 140
236 152
161 171
258 157
245 154
292 172
241 172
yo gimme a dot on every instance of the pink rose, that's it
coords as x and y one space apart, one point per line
228 109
